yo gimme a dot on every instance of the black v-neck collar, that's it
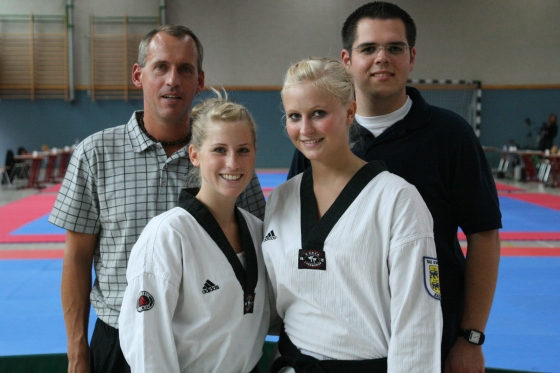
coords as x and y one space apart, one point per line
248 276
314 232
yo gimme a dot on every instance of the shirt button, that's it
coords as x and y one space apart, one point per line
163 184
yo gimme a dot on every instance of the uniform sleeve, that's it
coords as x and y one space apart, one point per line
77 206
416 318
149 302
252 198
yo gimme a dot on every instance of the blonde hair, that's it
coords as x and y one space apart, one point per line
218 109
212 110
323 73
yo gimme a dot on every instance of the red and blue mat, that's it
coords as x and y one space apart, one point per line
526 216
523 331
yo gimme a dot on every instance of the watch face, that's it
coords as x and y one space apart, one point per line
474 337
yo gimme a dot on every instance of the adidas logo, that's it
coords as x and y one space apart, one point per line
209 286
270 236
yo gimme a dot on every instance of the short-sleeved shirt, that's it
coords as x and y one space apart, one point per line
437 151
117 180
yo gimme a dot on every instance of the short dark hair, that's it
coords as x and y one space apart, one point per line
376 10
177 31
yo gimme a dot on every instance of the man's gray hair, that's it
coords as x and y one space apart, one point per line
177 31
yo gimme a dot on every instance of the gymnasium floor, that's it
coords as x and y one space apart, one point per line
523 331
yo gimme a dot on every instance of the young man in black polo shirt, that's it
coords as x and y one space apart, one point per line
436 151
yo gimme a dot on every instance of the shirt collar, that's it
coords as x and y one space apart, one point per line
140 142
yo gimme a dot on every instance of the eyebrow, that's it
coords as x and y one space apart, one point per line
371 44
158 62
224 144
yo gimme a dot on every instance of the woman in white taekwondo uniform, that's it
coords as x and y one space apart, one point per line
196 300
348 246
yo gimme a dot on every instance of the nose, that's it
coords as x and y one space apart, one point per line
172 77
232 161
306 126
382 55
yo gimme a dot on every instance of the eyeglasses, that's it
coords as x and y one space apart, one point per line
397 49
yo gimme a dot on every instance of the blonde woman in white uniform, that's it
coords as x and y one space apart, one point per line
348 246
196 297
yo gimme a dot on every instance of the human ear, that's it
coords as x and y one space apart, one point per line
200 81
193 155
412 57
350 112
345 57
137 75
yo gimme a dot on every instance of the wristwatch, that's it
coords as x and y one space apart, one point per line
473 336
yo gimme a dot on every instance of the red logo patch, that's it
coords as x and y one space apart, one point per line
145 301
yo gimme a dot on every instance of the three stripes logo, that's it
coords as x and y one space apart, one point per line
209 286
270 236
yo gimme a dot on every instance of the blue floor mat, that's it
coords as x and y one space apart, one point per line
521 216
524 327
523 331
38 226
31 314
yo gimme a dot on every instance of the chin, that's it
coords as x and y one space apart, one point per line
311 155
232 192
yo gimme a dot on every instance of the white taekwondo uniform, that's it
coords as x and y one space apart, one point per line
184 309
378 295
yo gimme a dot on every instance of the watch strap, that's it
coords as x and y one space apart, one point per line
473 336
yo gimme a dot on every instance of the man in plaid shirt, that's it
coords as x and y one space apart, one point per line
120 178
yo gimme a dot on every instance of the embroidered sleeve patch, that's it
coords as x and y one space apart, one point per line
431 277
145 301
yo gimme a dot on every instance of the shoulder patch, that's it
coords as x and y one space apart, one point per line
431 277
145 301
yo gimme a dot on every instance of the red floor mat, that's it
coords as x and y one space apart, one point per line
523 236
18 213
507 188
31 254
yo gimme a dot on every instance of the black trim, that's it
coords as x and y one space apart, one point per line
248 276
314 232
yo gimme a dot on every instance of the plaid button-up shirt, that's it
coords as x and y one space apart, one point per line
117 180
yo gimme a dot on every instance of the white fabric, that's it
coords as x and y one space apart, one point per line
371 301
241 257
378 124
186 330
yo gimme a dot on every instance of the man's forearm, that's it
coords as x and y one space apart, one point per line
75 290
481 276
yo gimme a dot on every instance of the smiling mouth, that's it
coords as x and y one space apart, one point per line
231 177
309 142
171 97
382 74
